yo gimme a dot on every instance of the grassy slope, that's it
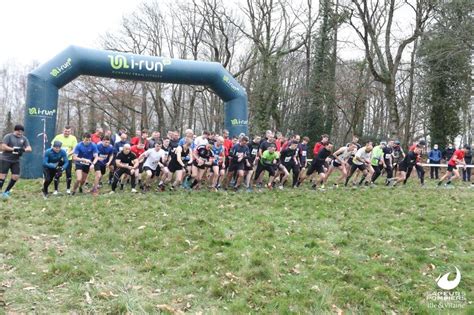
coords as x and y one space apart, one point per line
362 251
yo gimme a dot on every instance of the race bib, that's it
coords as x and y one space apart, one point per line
303 153
387 156
254 151
287 159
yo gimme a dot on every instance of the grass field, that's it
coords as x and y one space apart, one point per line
364 251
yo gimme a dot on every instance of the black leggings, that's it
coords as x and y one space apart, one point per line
68 175
49 176
118 173
295 168
378 171
419 170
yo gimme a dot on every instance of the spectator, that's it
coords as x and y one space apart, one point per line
448 152
434 156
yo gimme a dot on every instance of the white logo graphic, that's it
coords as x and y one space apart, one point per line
446 284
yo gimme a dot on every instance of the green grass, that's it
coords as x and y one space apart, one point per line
297 251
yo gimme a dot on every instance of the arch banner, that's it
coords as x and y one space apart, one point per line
45 81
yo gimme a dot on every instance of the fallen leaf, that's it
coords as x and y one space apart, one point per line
295 270
106 295
88 298
141 227
168 308
337 310
29 288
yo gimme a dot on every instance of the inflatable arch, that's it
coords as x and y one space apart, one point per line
45 81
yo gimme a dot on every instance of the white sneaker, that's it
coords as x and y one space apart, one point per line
134 190
111 192
68 191
55 192
280 187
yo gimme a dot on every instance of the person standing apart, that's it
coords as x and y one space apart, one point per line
435 156
13 146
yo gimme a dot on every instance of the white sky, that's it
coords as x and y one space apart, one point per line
39 29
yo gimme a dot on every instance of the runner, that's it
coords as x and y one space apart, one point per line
398 156
203 160
126 163
138 149
238 159
267 162
13 146
105 153
219 162
55 160
153 161
69 142
289 162
319 162
254 145
118 147
340 162
419 169
319 145
388 160
361 161
407 163
97 136
456 159
85 154
303 159
177 163
378 161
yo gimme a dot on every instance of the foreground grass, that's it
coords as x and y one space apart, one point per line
361 251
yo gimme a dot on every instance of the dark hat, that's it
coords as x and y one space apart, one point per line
19 127
422 142
57 144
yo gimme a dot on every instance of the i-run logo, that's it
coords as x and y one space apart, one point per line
238 122
226 79
62 68
119 62
36 111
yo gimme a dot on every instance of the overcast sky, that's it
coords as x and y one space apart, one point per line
36 30
39 29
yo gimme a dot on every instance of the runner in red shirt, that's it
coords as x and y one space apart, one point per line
97 136
142 138
320 144
138 150
456 159
227 142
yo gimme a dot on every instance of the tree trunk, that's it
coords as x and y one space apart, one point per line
394 122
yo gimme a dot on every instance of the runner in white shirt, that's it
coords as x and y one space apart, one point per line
153 163
361 161
343 154
201 140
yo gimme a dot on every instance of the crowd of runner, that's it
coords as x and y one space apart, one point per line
151 162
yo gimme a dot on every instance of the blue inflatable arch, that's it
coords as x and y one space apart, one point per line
45 82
